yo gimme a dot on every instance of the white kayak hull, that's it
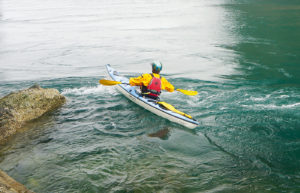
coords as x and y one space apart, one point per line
132 94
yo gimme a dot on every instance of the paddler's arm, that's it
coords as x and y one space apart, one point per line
166 85
141 80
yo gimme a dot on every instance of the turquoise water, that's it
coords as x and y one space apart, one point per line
241 56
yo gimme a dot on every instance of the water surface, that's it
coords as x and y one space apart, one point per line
241 56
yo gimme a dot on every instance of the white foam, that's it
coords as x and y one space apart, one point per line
291 105
260 98
89 90
272 106
284 96
285 73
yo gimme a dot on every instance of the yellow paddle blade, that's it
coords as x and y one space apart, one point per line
109 82
187 92
171 108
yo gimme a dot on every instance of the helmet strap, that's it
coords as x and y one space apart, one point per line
154 71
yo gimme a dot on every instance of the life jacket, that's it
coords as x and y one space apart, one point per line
154 87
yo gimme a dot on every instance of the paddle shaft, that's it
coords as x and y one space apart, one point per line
112 83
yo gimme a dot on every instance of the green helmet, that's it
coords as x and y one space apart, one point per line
156 66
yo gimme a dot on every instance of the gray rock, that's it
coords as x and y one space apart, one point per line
9 185
35 86
20 107
16 109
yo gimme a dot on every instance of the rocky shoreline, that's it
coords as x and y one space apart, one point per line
16 109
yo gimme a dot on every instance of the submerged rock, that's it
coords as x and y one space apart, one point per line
162 134
20 107
9 185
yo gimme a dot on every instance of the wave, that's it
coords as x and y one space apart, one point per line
272 106
89 90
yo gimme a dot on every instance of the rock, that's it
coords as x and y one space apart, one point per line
162 134
9 185
17 108
35 86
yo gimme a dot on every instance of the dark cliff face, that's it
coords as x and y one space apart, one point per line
19 107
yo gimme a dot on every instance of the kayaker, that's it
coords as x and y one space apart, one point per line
152 84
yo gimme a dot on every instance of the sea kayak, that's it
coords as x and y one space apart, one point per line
152 105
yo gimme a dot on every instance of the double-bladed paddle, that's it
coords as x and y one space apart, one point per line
171 108
112 82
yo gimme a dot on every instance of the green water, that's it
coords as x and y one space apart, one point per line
241 56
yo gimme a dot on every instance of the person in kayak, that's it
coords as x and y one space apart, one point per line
152 84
